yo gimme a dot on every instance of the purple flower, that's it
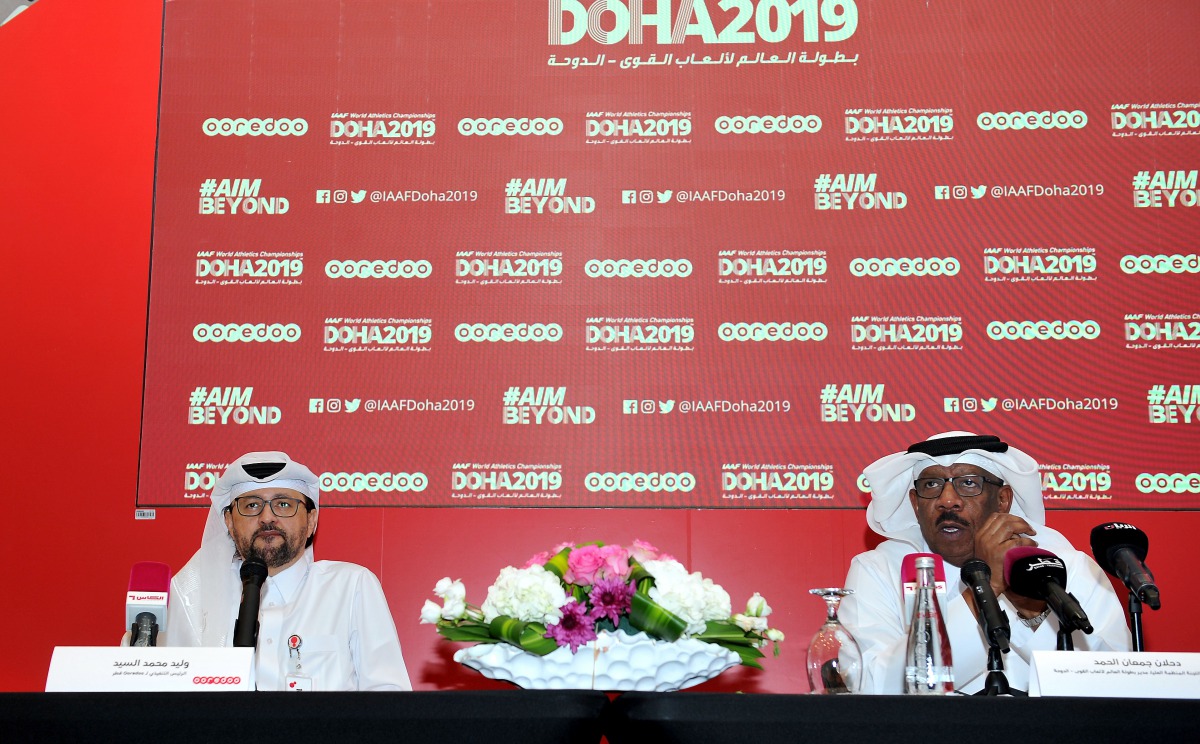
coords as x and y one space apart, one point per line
610 598
575 628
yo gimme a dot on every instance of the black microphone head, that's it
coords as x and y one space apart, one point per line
1027 570
977 567
254 570
1112 536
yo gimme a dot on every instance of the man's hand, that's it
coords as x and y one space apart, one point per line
999 534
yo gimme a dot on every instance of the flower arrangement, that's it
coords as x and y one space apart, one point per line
566 596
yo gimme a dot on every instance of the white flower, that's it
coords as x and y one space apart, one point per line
451 590
773 634
430 612
533 595
750 623
695 599
454 608
756 606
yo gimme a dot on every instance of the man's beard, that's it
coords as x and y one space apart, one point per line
272 556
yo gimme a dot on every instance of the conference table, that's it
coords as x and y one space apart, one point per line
567 717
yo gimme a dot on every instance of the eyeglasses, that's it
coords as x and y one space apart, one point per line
281 507
964 485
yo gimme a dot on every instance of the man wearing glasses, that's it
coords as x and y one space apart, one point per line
323 625
964 496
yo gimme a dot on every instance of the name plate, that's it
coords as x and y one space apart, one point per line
153 669
1115 674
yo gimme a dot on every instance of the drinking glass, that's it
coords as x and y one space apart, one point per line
834 659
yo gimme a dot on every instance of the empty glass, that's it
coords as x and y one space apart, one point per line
834 659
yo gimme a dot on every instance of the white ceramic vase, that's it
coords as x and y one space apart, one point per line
614 661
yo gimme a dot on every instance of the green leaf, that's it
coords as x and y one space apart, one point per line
648 615
528 636
558 564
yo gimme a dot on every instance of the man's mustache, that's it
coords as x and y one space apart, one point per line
950 517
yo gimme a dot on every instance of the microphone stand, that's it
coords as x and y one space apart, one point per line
1135 621
1064 639
996 683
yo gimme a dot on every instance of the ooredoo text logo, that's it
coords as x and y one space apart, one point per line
1168 482
379 269
508 332
216 680
786 331
1176 263
640 482
374 482
1017 120
918 266
246 332
637 268
1043 330
214 127
782 124
523 127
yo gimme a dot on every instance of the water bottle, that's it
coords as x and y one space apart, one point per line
928 668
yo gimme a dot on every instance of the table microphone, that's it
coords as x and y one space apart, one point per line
245 630
146 602
1040 574
977 575
1120 549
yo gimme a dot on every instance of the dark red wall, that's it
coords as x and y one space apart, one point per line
78 94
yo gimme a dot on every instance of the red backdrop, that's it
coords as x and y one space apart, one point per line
81 98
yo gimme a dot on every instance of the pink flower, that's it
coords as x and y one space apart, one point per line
575 628
582 565
616 562
610 598
643 551
539 559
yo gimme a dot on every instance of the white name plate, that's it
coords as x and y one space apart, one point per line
153 669
1115 674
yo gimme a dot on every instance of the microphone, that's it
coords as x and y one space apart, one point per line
1040 574
908 579
1120 548
245 630
978 576
146 602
